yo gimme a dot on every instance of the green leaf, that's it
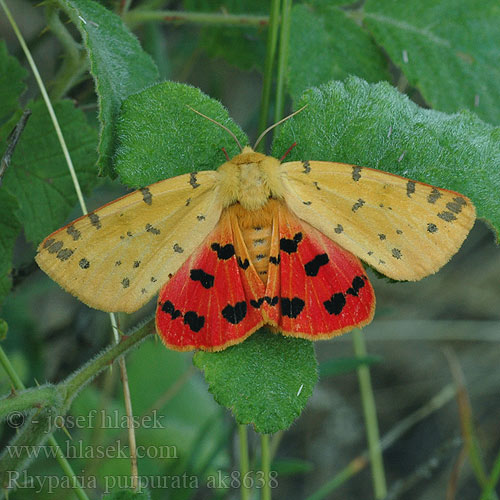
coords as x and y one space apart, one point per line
4 327
447 49
374 125
161 137
39 177
328 45
9 229
241 46
12 85
339 366
265 381
118 64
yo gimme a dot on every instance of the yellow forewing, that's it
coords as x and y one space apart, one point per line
116 258
403 228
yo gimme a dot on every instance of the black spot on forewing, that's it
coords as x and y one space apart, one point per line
243 263
307 203
382 236
136 263
313 266
147 196
193 181
292 307
356 173
307 168
335 304
339 229
64 254
396 253
225 252
168 308
290 246
206 280
55 246
200 217
358 205
84 263
125 282
447 216
177 248
151 229
188 201
410 188
95 221
235 314
317 186
48 242
454 207
357 283
434 196
74 233
432 228
118 263
194 321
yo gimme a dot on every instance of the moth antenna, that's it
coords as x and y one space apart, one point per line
219 124
261 136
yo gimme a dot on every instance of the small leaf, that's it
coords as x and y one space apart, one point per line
39 177
161 137
9 229
117 62
374 125
339 366
12 85
447 49
328 45
265 381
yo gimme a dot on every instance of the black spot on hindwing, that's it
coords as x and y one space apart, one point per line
235 314
225 252
292 307
194 321
206 280
335 304
290 246
357 283
243 263
168 308
313 266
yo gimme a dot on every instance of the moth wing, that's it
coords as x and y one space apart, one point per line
323 290
117 257
206 305
403 228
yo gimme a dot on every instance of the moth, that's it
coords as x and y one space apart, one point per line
257 242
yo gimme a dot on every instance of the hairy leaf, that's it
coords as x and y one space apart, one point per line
265 381
12 85
161 137
374 125
117 62
447 49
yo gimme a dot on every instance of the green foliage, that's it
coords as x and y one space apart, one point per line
447 49
118 64
339 366
4 328
38 176
161 137
374 125
12 85
128 495
326 44
265 381
243 47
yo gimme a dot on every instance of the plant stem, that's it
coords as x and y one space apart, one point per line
272 40
282 59
137 16
266 466
244 467
370 412
489 487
